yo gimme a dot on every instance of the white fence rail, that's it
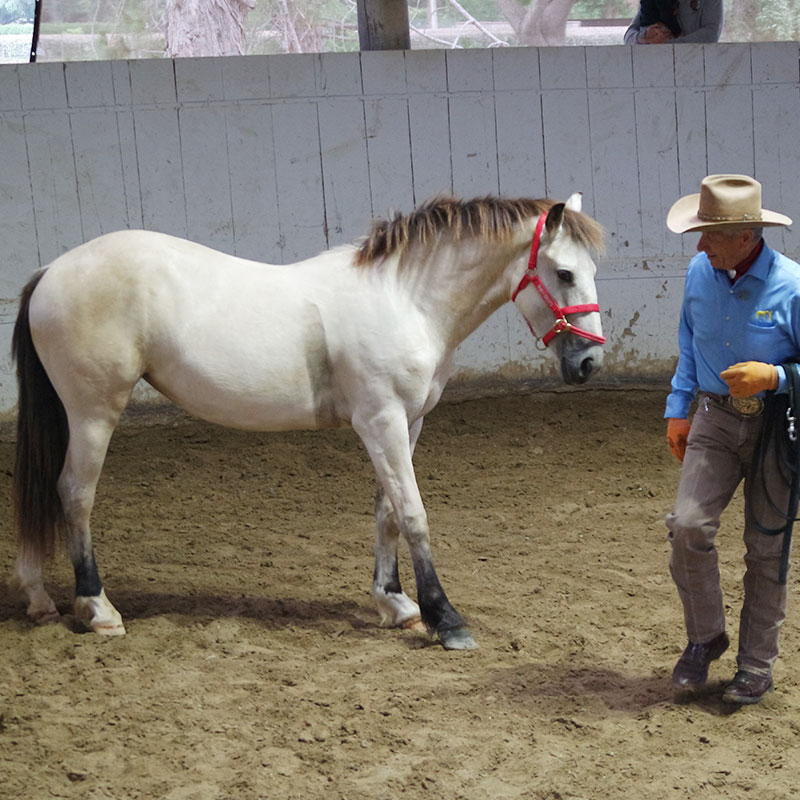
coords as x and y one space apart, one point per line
278 157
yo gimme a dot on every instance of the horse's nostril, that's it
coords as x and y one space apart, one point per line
588 366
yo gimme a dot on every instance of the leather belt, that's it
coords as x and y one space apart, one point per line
746 406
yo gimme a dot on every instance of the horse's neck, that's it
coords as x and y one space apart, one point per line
462 285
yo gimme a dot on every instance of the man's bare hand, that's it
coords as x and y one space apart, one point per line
656 34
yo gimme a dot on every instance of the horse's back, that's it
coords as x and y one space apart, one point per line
230 340
115 288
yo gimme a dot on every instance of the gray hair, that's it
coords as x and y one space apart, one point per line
757 232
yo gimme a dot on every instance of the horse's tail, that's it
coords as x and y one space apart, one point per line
42 438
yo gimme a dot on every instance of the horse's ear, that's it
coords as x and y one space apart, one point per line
574 201
554 215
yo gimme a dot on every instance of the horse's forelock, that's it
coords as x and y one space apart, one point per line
491 218
585 230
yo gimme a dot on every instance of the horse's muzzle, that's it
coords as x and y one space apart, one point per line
579 364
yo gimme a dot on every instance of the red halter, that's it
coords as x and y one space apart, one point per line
561 324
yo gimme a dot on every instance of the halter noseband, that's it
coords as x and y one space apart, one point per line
561 324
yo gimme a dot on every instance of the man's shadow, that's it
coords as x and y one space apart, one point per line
559 684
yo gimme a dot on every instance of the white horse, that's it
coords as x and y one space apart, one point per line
361 336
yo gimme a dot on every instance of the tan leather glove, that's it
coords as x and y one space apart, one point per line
750 377
677 435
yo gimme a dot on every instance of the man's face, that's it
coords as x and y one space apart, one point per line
726 249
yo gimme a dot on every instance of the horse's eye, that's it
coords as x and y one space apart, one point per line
565 276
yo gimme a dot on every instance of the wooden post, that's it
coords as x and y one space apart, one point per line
383 25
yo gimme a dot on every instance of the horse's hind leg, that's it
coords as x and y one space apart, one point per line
77 485
28 582
88 443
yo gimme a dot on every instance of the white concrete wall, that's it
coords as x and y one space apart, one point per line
278 157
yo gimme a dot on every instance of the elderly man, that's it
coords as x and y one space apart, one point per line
739 322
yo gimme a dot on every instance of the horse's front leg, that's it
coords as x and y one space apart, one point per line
394 605
386 437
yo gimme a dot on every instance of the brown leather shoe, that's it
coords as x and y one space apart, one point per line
691 671
747 688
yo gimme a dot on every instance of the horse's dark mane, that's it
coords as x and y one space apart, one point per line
492 218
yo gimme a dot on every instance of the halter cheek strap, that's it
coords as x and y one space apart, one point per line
562 325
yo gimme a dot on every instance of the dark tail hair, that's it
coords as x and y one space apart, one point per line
42 438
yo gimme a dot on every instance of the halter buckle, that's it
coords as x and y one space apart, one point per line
562 326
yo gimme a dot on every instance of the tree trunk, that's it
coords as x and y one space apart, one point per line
513 12
206 27
542 24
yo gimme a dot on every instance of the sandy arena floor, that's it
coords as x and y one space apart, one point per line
254 666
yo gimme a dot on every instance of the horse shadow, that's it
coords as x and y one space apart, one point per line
271 612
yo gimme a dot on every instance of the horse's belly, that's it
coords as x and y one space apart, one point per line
256 413
256 396
244 364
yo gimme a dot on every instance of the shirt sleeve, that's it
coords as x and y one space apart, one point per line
710 30
684 381
634 29
794 314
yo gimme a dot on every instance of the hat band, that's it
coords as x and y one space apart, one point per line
742 218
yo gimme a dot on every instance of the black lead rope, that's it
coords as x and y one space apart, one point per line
780 435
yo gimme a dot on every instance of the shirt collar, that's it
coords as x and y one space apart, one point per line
745 265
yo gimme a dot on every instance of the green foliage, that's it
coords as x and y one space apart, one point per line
15 11
777 20
481 10
604 9
16 29
761 21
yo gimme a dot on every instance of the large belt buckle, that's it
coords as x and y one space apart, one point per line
747 406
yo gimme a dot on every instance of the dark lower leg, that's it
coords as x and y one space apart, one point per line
87 577
386 576
438 614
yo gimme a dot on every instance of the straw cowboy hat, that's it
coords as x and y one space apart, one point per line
724 202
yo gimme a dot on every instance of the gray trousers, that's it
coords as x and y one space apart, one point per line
718 456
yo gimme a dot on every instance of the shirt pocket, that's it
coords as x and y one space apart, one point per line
764 341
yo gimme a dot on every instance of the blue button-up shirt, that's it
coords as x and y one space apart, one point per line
723 323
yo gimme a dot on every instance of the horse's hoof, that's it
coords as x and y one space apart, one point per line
397 609
41 609
415 625
109 628
98 615
44 617
458 639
